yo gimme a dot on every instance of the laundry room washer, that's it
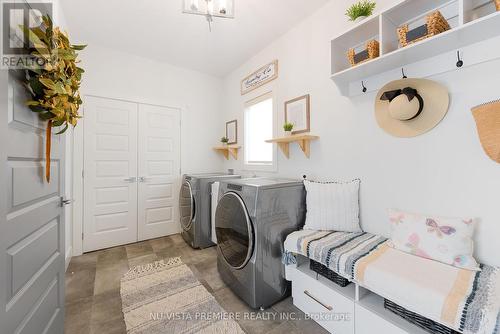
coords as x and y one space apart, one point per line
195 207
252 220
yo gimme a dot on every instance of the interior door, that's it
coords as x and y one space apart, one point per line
31 219
159 171
110 173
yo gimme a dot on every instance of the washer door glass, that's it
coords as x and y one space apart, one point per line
234 230
186 206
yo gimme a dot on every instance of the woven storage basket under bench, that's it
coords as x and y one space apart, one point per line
424 323
328 273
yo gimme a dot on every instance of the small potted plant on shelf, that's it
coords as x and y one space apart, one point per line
224 141
360 11
288 127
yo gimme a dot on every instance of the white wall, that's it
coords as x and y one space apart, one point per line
118 75
443 172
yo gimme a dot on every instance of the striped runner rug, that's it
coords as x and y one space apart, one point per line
166 297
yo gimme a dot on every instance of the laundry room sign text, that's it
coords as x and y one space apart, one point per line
260 77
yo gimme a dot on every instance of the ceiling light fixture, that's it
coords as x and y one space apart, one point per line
210 9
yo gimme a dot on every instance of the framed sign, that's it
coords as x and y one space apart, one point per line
260 77
232 132
297 112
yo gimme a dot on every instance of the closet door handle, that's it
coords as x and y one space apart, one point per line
143 179
130 180
308 294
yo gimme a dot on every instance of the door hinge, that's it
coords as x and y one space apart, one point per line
83 174
82 236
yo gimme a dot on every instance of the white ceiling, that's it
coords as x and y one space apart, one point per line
157 29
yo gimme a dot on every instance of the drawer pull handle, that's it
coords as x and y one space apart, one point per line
308 294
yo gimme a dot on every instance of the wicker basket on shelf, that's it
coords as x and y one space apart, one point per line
435 25
371 51
497 3
418 320
328 273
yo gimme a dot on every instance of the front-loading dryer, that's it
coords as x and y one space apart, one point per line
195 207
252 220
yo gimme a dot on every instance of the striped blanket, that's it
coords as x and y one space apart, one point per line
338 251
464 300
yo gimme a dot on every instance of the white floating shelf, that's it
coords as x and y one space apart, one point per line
467 29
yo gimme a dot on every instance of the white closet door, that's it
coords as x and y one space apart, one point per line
110 173
159 171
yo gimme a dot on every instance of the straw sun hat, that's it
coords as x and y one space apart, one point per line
411 107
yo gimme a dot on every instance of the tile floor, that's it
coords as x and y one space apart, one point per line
93 304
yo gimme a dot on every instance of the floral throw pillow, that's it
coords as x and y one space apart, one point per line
447 240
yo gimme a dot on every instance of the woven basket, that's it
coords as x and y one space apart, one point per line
372 51
435 25
416 319
328 273
497 3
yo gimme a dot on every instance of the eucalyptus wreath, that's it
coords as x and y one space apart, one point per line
54 78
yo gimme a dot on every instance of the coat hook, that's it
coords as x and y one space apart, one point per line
363 85
460 62
403 72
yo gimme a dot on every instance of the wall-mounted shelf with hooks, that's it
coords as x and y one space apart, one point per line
229 150
471 21
304 141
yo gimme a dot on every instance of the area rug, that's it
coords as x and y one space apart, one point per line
165 297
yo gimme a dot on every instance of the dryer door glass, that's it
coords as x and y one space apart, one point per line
186 206
234 230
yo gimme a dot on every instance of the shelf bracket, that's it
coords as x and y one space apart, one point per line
228 151
304 141
233 152
305 146
285 148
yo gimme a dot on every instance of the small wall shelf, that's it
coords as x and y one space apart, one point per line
304 141
229 150
471 21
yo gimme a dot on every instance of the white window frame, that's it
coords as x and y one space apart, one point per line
273 167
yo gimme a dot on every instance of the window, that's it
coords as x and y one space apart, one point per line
258 128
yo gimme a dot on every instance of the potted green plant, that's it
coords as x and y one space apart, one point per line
224 141
288 127
360 10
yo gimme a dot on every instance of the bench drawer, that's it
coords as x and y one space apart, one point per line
369 323
329 308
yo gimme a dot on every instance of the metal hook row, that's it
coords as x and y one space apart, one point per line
460 63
